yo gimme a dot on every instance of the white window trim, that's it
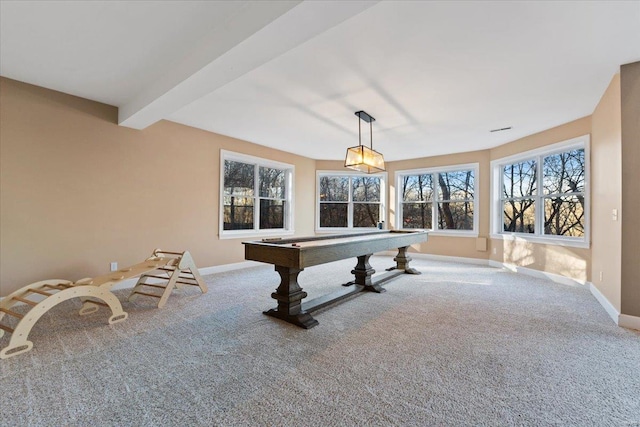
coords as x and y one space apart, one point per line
537 154
351 229
440 169
289 197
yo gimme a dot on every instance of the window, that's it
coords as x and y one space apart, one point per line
349 200
543 194
442 199
255 196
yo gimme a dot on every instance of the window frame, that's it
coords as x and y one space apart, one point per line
538 154
350 228
289 197
475 167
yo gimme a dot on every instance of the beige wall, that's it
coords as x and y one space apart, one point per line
566 261
630 114
606 195
78 191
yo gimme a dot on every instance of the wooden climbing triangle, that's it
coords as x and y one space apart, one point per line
162 270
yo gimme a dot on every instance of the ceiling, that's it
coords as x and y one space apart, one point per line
437 76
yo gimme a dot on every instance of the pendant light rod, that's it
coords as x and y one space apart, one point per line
362 115
371 133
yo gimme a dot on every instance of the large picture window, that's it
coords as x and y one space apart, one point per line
255 195
543 194
442 199
349 201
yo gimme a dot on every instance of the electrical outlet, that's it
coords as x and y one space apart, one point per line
601 276
114 266
495 251
614 214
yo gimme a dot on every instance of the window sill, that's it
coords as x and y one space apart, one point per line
248 234
453 233
345 230
542 240
445 233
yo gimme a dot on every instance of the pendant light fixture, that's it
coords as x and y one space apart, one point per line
361 158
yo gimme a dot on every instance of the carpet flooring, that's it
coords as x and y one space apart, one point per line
459 345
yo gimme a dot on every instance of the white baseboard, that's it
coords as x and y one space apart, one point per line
604 302
630 322
229 267
462 260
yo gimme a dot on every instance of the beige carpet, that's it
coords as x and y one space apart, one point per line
457 345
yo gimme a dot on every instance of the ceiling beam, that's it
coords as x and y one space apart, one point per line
260 33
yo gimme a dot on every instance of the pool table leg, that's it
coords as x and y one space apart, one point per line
402 262
363 272
289 296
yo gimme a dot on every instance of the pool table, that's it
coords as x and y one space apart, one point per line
291 256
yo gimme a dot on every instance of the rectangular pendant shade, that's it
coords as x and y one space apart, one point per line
364 159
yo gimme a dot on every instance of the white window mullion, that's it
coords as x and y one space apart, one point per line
539 201
435 198
350 204
288 199
256 198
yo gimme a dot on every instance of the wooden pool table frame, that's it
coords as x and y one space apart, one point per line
291 256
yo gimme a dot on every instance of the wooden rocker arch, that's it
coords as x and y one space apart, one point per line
66 290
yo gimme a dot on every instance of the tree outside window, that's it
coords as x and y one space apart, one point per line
255 195
561 197
366 201
563 187
417 201
456 202
437 200
349 201
238 195
518 197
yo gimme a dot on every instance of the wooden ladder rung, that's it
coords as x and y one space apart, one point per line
26 301
147 294
153 285
188 283
156 277
170 253
38 291
167 268
12 313
6 328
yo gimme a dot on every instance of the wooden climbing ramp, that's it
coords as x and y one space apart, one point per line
159 274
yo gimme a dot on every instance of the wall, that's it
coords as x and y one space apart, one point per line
566 261
606 194
78 191
630 106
